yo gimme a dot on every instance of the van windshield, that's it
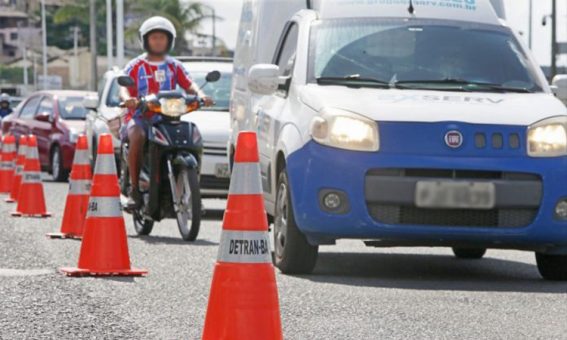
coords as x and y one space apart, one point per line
420 54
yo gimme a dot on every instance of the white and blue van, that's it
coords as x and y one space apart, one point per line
401 123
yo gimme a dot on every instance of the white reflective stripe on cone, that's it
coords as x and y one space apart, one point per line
104 207
105 165
32 153
23 150
244 247
81 157
79 187
31 177
245 179
5 165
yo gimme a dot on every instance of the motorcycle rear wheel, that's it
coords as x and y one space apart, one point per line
189 210
142 225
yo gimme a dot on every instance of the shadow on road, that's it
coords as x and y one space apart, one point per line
430 272
173 241
213 215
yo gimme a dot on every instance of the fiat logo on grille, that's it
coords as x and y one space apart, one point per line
454 139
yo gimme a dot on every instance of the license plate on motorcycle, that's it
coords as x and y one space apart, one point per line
222 171
455 195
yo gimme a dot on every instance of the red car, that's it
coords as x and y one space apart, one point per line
56 118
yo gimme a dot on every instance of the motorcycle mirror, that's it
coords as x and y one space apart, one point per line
213 76
126 81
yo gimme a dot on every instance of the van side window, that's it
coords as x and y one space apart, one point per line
113 99
288 47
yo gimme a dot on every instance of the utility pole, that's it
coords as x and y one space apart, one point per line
554 46
214 33
109 38
531 23
44 44
92 19
120 33
22 42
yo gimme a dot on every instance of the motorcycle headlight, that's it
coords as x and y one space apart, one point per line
173 107
345 130
548 138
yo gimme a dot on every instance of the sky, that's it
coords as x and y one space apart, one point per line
518 17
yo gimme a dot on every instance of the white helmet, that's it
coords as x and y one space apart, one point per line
157 24
4 97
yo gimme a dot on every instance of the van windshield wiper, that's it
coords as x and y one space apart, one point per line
354 80
461 85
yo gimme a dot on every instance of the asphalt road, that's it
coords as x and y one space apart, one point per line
355 292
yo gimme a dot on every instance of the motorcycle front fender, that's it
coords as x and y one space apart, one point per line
187 160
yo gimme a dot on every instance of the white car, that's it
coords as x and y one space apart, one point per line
213 123
399 125
104 112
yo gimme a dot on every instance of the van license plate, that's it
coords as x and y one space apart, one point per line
222 170
455 195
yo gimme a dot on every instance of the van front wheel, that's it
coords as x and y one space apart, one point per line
552 267
293 254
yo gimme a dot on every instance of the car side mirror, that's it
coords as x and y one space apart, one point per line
213 77
559 87
91 103
264 79
125 81
43 117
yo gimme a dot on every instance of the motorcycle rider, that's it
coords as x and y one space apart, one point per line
5 108
153 71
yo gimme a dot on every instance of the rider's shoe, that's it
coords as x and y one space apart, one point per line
134 199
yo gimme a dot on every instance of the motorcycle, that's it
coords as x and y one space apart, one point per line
169 177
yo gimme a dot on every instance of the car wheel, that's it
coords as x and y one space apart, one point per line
58 173
469 253
552 267
292 254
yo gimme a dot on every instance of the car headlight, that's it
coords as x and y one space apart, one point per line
173 107
73 135
548 138
345 130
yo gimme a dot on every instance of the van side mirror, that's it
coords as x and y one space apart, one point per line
264 79
90 103
559 87
125 81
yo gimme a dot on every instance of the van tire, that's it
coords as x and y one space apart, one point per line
552 267
469 253
292 253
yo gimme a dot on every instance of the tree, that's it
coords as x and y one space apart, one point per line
186 17
76 13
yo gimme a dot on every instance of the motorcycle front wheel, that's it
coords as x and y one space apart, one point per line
188 196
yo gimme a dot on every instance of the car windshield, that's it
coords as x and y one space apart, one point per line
423 54
72 108
219 91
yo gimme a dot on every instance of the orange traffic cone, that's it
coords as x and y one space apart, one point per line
104 250
20 161
7 164
243 303
78 196
31 201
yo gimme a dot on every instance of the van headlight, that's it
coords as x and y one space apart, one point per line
548 138
345 130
